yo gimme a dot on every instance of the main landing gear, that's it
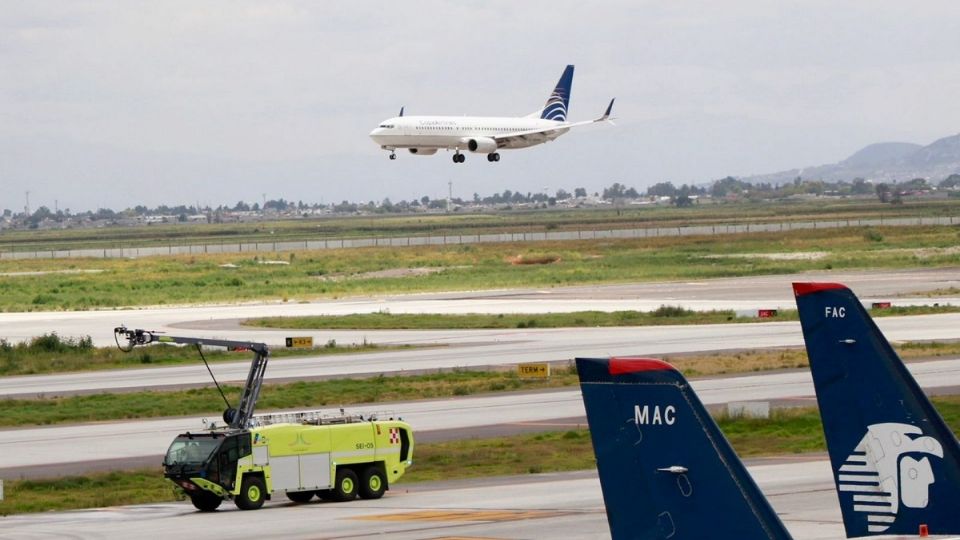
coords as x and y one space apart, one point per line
459 158
393 155
494 156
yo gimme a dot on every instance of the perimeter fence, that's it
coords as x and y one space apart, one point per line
463 239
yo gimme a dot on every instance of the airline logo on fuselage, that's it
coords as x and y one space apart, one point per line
645 415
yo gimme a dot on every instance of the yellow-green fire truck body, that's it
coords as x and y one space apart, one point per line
336 459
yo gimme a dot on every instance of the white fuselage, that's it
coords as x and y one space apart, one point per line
456 132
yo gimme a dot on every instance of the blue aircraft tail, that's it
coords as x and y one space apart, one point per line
559 100
665 468
895 462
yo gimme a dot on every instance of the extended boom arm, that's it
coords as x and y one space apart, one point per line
236 418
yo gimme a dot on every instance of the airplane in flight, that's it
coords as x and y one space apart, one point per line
424 135
896 463
666 470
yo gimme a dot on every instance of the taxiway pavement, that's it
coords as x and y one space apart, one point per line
566 506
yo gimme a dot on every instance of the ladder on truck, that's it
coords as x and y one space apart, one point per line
240 417
316 418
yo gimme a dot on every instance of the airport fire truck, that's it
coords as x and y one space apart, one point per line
251 457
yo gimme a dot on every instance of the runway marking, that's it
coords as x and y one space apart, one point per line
464 538
464 515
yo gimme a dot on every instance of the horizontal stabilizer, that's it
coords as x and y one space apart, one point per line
665 468
895 462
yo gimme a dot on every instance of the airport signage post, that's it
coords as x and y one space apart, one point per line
539 370
300 342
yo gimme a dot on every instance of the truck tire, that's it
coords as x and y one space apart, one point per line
206 502
300 496
252 493
372 483
345 487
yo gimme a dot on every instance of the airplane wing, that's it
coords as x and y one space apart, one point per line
506 138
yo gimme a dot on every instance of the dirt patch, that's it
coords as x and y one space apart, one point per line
534 259
390 273
798 256
926 253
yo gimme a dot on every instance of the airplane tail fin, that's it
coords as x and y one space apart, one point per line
559 101
665 468
895 462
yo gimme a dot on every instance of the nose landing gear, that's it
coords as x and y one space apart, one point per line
393 156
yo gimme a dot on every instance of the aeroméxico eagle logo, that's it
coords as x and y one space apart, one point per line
883 472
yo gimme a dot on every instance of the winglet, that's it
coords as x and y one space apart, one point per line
666 470
401 112
895 462
606 115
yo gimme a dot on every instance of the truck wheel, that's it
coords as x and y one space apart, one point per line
345 488
252 493
206 502
300 496
372 483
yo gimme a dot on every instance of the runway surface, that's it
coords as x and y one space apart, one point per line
560 506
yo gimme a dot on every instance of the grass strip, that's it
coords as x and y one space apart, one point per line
303 395
339 272
790 431
664 315
51 353
381 388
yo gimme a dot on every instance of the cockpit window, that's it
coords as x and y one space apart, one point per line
388 126
190 450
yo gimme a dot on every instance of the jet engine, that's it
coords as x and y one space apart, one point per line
423 151
482 145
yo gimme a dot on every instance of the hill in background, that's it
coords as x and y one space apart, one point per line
883 162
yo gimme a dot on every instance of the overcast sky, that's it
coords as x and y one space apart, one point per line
107 104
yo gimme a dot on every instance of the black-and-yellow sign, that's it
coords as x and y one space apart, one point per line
540 370
305 341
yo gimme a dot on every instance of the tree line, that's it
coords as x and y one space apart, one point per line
684 195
